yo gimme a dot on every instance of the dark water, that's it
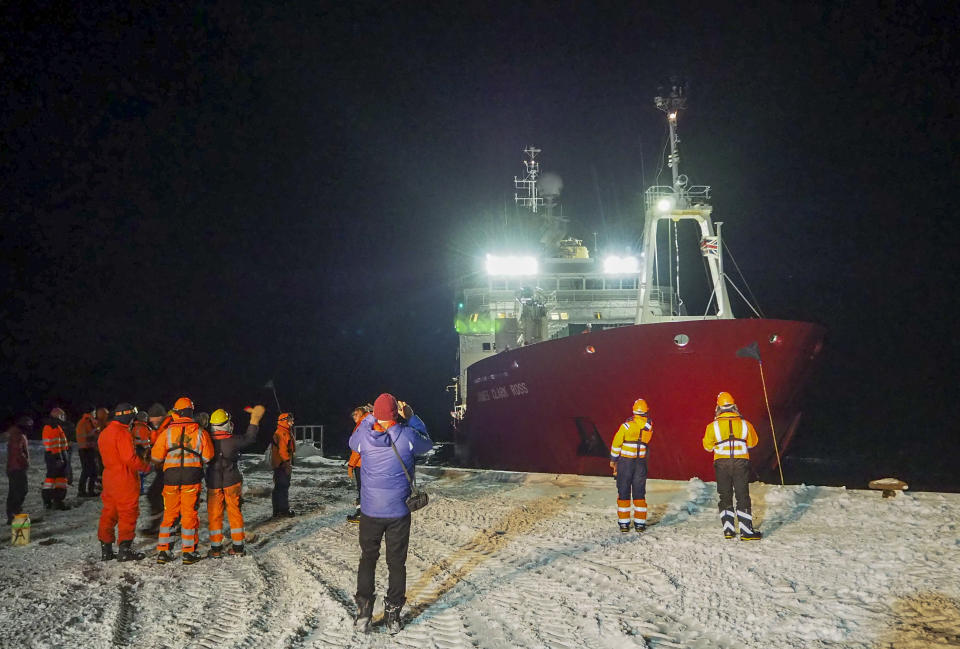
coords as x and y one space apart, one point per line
855 471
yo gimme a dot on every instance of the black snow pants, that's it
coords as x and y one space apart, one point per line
17 493
397 533
281 491
88 471
733 476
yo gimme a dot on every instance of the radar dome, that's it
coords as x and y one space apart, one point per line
550 184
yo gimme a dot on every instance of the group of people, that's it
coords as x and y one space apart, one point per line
729 437
181 448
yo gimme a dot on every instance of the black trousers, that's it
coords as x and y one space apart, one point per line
88 470
17 493
397 533
281 491
155 493
733 476
632 478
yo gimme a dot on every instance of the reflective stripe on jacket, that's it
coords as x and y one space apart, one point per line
729 436
54 439
183 448
632 438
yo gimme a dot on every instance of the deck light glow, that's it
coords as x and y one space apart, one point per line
614 265
511 266
665 204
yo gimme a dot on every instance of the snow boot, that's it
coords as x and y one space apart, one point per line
62 506
164 557
236 550
361 622
726 520
745 522
391 616
624 527
106 551
127 553
639 526
354 518
190 557
215 552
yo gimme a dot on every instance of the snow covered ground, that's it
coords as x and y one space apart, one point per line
511 560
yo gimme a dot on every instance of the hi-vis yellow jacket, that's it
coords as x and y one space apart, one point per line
729 436
632 438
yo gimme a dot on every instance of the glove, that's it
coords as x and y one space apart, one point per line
256 414
613 465
350 471
405 410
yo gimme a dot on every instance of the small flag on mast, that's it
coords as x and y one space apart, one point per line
268 385
710 246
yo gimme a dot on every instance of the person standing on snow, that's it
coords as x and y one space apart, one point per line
282 452
628 459
87 449
728 437
18 461
121 485
388 449
182 448
224 480
55 446
353 465
158 419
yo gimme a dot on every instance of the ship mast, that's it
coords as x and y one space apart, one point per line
529 183
669 205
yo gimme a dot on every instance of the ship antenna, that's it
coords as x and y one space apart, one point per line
672 103
529 183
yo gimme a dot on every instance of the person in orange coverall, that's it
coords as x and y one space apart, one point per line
121 485
183 448
282 450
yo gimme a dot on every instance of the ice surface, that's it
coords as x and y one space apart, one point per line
507 560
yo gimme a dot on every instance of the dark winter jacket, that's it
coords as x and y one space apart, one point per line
18 454
383 485
223 471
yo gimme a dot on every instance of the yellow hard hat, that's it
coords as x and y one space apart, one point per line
724 399
640 407
219 417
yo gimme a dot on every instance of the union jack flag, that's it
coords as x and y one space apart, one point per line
710 247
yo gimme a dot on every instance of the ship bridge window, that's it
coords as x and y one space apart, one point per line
629 283
486 347
571 283
594 284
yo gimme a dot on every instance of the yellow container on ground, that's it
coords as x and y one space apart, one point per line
20 530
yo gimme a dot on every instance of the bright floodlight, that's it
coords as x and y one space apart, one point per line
614 265
665 204
511 266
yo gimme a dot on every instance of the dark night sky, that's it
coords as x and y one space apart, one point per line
197 199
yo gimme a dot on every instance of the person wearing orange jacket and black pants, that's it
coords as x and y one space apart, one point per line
282 451
121 485
157 419
87 429
183 448
55 447
729 437
225 482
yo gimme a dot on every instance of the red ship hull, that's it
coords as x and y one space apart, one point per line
555 406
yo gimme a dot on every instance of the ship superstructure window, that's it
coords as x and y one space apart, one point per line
554 315
629 283
594 284
474 317
501 315
564 315
571 284
598 315
486 347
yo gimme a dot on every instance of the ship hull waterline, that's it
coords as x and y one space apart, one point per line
555 406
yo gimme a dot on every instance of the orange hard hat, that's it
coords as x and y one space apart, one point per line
183 403
284 416
640 407
724 399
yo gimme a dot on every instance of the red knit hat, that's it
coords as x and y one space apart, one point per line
385 407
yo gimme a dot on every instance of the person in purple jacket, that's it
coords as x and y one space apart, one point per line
383 510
